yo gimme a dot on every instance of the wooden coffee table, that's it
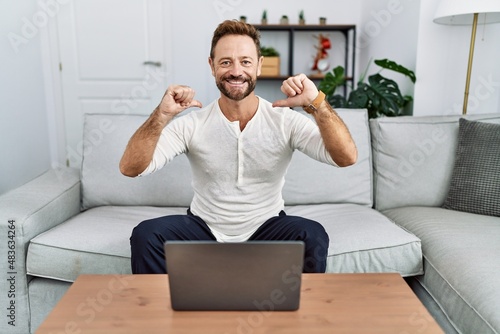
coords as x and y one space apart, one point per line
330 303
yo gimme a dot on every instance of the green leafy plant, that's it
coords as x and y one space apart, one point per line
380 95
269 51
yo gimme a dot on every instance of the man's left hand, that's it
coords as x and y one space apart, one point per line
299 89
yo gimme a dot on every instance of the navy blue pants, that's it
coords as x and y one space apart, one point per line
148 238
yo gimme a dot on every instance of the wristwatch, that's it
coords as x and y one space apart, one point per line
314 105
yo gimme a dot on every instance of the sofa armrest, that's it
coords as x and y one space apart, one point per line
40 204
25 212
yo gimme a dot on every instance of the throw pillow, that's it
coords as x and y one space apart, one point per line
475 181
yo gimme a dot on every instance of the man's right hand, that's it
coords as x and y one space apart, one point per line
176 99
141 146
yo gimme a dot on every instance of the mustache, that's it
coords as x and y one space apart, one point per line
236 77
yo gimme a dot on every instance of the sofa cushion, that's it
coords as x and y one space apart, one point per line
475 182
413 158
461 265
308 181
93 242
363 240
105 137
97 241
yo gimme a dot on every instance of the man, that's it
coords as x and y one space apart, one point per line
239 148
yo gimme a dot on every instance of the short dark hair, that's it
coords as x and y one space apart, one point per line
235 27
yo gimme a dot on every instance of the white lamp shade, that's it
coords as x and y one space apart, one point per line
461 12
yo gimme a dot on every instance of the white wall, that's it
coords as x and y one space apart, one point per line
24 138
442 57
389 29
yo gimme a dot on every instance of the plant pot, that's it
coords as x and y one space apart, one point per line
270 67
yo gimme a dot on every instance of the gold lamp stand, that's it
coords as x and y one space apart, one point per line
460 12
469 65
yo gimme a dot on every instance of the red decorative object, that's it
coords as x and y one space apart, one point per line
320 63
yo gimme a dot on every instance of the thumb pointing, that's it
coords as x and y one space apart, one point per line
280 103
196 103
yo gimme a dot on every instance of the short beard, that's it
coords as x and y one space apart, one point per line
236 96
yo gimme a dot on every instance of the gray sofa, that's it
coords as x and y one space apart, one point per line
383 215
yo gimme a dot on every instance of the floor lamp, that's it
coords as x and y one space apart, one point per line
468 12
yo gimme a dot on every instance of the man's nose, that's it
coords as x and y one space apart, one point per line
236 69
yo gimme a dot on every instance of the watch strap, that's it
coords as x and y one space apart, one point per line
314 105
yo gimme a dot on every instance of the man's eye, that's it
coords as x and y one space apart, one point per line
246 62
225 63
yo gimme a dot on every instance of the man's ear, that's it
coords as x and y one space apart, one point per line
259 65
211 63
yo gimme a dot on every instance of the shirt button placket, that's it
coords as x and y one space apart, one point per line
240 160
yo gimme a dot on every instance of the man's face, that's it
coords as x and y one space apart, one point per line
235 66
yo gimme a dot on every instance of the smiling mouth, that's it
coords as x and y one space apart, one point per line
236 81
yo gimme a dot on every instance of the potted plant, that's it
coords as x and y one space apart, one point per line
271 62
302 19
269 51
263 20
380 95
284 19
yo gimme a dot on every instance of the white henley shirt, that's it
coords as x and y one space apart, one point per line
238 176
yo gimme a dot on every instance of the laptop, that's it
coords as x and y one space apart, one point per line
247 276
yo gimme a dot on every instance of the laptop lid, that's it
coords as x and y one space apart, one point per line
253 275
